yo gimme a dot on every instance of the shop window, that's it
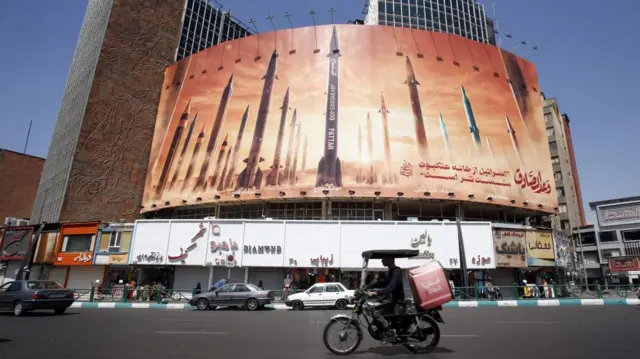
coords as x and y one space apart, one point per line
609 236
77 243
316 289
332 288
633 235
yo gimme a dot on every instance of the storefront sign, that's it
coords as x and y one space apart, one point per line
321 261
223 246
118 259
74 259
510 247
15 242
624 264
422 241
276 250
149 258
480 260
150 242
293 262
184 251
224 250
540 249
312 244
564 250
612 215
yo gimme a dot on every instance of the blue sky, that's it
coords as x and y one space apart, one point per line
586 59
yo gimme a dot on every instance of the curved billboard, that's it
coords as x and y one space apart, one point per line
348 110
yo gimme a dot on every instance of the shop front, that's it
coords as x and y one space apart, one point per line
112 251
44 257
511 255
263 253
225 252
14 244
149 253
541 262
75 253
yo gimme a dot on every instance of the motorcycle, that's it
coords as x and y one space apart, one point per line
406 320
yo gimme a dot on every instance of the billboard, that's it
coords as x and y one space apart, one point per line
14 242
540 249
510 248
373 112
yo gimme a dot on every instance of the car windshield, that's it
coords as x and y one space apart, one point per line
253 288
43 285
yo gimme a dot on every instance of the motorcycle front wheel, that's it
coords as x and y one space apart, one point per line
425 337
342 336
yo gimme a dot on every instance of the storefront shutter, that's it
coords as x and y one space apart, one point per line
11 271
58 274
185 279
35 272
81 278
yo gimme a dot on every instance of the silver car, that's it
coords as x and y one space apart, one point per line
233 295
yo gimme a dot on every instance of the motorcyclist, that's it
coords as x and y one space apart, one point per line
391 285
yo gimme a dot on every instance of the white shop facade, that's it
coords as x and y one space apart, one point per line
182 253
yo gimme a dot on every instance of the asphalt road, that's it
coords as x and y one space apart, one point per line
556 332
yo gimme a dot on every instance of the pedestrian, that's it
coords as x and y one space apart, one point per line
260 285
198 289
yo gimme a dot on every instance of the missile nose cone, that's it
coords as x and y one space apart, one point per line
201 135
509 127
226 140
464 93
335 46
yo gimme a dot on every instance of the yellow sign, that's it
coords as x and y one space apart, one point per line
540 245
118 259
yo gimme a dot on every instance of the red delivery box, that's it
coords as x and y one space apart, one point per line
429 285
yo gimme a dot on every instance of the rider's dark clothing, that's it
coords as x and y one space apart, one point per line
393 286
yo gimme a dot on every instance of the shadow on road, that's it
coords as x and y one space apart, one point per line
2 340
39 314
397 350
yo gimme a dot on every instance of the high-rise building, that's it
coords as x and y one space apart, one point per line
465 18
570 208
19 177
97 160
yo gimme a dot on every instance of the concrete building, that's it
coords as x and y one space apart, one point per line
98 156
19 176
570 208
466 18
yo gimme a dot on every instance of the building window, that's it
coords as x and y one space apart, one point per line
296 210
557 176
356 211
553 145
608 253
77 243
555 160
551 131
114 241
564 224
547 117
562 208
609 236
560 191
632 235
242 211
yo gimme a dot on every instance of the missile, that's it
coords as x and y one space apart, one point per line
174 178
445 139
514 139
216 173
201 182
389 176
371 176
292 128
360 175
421 133
517 84
294 169
471 119
304 154
273 177
228 183
192 162
329 168
172 150
251 176
223 177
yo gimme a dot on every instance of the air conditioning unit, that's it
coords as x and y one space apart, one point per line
22 222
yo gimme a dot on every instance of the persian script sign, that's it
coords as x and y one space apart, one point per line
511 248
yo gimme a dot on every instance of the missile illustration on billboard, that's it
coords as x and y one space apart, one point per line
304 155
371 175
187 140
360 175
201 182
223 177
292 131
192 162
445 139
471 120
221 154
293 175
251 176
517 84
228 183
389 176
414 97
273 176
329 168
171 153
498 189
514 139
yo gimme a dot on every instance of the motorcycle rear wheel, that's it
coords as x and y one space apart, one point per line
341 324
430 335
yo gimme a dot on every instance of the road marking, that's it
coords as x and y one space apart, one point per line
525 322
140 305
548 303
507 303
459 335
209 333
175 306
106 305
468 304
632 301
76 305
592 301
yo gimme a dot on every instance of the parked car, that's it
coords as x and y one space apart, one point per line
26 295
332 294
233 295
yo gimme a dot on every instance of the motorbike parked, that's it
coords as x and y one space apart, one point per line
416 329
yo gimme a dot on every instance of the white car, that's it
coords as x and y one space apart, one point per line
332 294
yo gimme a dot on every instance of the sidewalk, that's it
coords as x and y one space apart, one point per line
456 304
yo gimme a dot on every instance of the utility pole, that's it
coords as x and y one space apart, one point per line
463 259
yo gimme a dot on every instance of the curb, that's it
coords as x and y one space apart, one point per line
457 304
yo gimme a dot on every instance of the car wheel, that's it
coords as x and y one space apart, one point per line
202 304
341 304
297 305
59 311
18 310
252 304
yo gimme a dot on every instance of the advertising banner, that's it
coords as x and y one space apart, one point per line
263 244
540 249
564 250
618 214
225 244
434 241
510 247
357 237
14 242
188 242
355 117
150 241
624 264
312 244
478 244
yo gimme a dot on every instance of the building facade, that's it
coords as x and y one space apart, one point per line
112 92
465 18
19 177
567 182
